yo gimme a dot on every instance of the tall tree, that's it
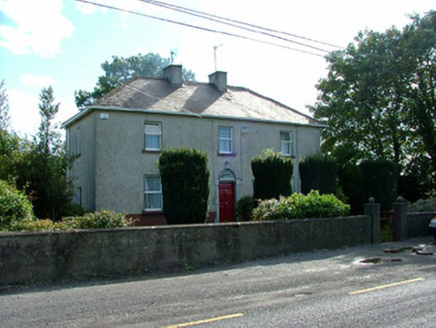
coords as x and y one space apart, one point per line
11 146
48 137
379 96
4 107
121 70
44 167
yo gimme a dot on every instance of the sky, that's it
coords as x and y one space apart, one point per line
62 43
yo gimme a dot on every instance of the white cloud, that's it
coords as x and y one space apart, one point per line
40 81
40 27
24 112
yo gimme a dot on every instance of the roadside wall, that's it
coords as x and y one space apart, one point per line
417 224
28 257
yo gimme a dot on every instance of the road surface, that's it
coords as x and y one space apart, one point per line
350 287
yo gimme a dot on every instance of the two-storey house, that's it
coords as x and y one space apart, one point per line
119 139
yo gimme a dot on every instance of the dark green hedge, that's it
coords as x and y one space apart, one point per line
380 179
318 172
272 175
185 185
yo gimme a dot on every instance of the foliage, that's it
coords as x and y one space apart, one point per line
185 185
380 181
318 172
97 220
120 70
299 206
15 208
272 175
4 108
244 208
378 98
42 171
421 205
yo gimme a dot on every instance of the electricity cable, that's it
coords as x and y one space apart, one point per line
234 23
199 27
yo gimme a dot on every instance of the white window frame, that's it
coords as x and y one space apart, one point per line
286 145
158 134
152 192
228 140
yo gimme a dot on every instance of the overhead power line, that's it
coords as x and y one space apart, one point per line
200 28
223 20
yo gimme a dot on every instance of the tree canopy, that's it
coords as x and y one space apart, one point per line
120 70
379 100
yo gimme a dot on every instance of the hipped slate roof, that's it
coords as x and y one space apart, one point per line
198 99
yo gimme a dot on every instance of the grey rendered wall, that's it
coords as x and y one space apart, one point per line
121 162
26 257
83 170
417 224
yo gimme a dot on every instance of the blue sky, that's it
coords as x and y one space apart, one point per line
62 43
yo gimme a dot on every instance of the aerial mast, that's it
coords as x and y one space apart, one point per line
214 55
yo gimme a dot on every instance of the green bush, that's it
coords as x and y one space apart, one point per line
299 206
244 208
96 220
272 175
15 208
42 225
185 185
380 178
421 205
318 172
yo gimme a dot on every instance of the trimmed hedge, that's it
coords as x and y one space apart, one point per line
318 172
185 185
380 178
300 206
272 175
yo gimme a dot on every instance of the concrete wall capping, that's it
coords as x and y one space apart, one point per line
108 252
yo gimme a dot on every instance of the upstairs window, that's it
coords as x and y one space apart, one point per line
153 136
153 193
286 143
225 140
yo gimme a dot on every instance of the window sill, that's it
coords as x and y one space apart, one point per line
227 154
151 212
150 151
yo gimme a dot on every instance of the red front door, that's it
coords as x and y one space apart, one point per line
227 201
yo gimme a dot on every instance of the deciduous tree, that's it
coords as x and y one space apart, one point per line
121 70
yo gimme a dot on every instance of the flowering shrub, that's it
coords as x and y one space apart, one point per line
421 205
299 206
97 220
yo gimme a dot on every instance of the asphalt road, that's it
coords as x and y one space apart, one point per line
351 287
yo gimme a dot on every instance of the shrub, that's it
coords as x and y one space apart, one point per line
272 175
15 208
380 179
42 225
421 205
244 208
185 185
299 206
318 172
97 220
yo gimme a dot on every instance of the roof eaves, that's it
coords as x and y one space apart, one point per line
186 113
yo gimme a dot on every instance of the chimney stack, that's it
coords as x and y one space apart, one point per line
173 74
219 80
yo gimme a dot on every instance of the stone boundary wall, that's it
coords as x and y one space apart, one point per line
26 257
417 224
